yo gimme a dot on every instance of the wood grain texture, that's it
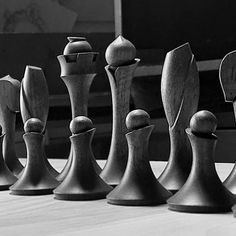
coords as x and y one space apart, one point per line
9 105
42 215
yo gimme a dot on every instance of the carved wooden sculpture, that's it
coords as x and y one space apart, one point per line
34 100
78 65
121 56
227 74
9 105
139 185
82 182
180 94
203 191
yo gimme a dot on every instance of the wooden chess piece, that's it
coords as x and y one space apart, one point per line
203 191
228 84
82 182
139 185
78 69
120 56
6 176
36 178
34 101
9 105
180 95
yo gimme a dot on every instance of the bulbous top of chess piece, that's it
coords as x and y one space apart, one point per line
34 125
137 119
203 122
120 52
80 124
77 45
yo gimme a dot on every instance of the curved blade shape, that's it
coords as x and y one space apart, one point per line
227 75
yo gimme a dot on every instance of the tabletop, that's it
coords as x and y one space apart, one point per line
43 215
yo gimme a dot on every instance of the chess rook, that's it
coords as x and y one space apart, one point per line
203 191
35 178
120 74
180 94
138 185
78 65
82 182
9 105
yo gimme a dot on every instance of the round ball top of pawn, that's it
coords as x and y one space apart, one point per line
120 52
34 125
77 45
137 119
80 124
203 122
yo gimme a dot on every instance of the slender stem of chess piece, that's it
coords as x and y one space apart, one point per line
34 101
78 66
82 182
138 185
120 56
180 95
203 191
9 105
36 178
228 84
7 178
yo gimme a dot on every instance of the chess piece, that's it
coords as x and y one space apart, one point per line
9 105
180 94
138 185
203 191
228 84
34 101
78 65
35 178
120 74
6 176
82 182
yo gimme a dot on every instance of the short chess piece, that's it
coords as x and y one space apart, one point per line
228 84
120 56
34 101
6 176
203 191
35 178
82 182
180 95
78 69
138 185
9 106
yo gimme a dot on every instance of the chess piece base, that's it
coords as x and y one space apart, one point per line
30 192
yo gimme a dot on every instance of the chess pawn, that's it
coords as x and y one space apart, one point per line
36 178
34 101
6 176
120 56
9 106
82 182
180 95
138 185
203 191
78 66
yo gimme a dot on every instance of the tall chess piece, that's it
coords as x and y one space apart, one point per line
82 182
34 101
9 105
120 56
36 178
6 176
180 94
203 191
228 83
78 66
139 185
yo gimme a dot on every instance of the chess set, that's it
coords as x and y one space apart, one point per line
189 182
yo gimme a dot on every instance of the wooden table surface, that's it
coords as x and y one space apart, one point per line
42 215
